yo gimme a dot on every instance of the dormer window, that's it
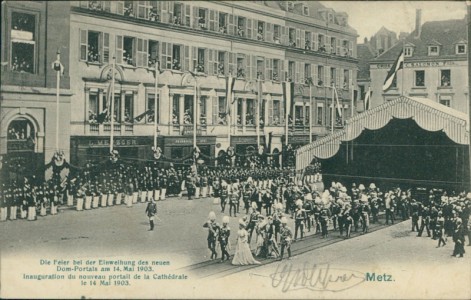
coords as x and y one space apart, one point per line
433 50
290 6
461 49
305 10
408 51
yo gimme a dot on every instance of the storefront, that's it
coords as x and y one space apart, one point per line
92 149
180 148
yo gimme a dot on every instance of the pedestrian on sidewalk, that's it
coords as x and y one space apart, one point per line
151 211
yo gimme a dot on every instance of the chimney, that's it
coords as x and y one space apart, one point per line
418 22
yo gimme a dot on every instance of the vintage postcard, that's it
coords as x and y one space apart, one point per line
235 150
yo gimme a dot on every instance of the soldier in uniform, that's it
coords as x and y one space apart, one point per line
286 238
3 204
10 201
163 185
458 236
247 194
300 216
224 196
151 211
213 234
348 222
234 200
224 233
415 215
365 214
324 221
440 229
424 213
79 196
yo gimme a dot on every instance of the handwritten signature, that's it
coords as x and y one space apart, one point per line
315 277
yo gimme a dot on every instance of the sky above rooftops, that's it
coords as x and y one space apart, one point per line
367 17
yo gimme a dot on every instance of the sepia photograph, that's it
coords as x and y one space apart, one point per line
235 150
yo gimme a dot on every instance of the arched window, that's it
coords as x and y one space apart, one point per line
20 129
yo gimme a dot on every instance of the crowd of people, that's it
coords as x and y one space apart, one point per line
263 198
269 202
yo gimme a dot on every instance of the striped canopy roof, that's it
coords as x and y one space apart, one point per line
428 114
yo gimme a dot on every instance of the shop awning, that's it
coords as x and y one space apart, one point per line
428 114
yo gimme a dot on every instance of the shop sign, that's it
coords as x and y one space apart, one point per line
184 141
420 64
117 142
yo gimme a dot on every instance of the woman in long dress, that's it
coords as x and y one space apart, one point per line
243 255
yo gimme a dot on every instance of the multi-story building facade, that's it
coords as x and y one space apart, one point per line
435 67
260 43
32 33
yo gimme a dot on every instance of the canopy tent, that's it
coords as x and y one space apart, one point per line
416 126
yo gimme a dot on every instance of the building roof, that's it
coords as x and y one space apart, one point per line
428 114
365 55
445 33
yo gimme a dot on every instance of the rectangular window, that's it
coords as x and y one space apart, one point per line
292 37
445 100
117 107
307 74
250 107
222 106
445 77
291 71
260 68
333 43
177 13
128 108
276 70
307 40
260 30
320 115
240 66
188 109
202 110
202 18
143 9
277 34
420 78
129 51
223 22
200 60
320 74
128 9
306 10
321 43
221 63
277 112
93 54
93 109
23 42
176 109
298 115
346 79
239 111
153 53
408 51
176 57
433 50
460 49
150 107
333 76
241 26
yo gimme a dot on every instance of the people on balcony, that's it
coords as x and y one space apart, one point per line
221 68
445 80
187 117
200 67
275 76
128 10
292 43
261 122
307 45
260 75
175 120
202 22
240 72
223 29
93 54
22 65
249 120
177 20
152 61
222 119
176 64
322 48
240 31
92 117
202 119
260 34
127 58
154 15
127 117
95 5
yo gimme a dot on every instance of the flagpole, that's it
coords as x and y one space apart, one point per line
333 110
310 109
195 102
403 66
58 82
287 108
353 96
155 103
112 106
259 96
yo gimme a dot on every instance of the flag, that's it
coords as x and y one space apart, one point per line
288 95
57 66
230 82
337 103
141 116
367 99
398 65
104 113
